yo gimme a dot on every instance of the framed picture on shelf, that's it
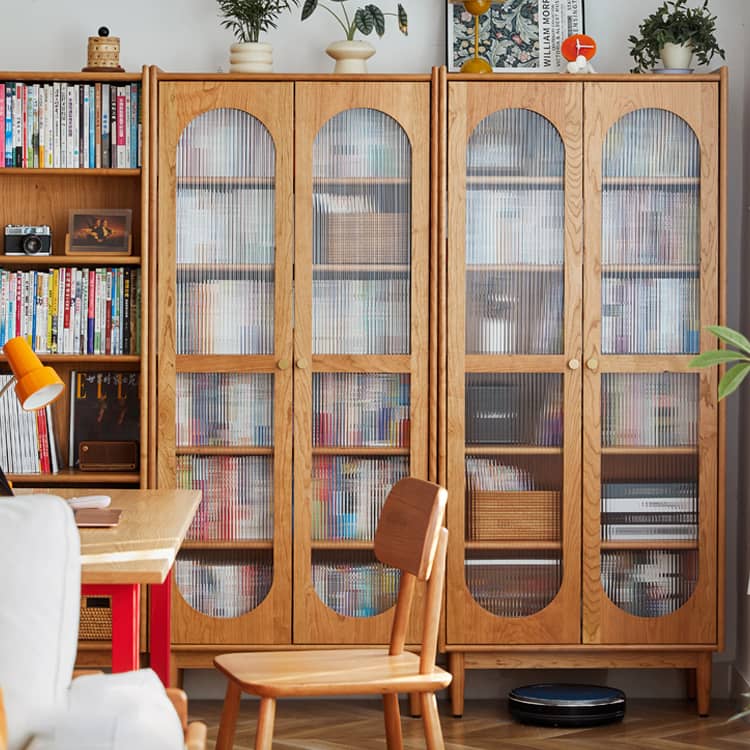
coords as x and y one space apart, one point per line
99 230
515 35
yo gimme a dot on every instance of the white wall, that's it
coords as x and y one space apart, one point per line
185 35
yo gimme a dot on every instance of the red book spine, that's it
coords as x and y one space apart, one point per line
108 319
121 122
43 441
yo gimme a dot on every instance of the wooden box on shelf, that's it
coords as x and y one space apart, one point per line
514 516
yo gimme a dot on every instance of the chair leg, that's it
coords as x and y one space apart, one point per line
229 713
432 731
266 717
393 738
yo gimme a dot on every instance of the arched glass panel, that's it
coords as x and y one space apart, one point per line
361 235
225 257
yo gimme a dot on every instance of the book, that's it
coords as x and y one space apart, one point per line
104 405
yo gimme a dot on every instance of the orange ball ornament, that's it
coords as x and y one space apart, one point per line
577 45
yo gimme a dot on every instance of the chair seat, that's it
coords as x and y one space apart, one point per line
276 674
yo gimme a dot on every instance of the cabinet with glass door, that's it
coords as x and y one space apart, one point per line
585 450
292 303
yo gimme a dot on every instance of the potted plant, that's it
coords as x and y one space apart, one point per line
247 19
674 33
350 53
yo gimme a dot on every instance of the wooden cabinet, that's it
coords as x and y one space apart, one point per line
293 303
584 256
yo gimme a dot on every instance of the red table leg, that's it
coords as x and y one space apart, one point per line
160 628
126 619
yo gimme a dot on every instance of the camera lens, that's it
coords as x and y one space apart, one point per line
31 244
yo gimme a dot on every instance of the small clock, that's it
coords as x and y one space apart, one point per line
578 50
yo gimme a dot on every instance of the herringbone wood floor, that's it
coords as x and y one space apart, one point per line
347 724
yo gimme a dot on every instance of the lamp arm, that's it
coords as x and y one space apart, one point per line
6 386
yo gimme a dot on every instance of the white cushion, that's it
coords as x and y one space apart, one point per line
40 590
127 711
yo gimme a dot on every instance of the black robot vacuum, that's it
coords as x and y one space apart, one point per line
563 705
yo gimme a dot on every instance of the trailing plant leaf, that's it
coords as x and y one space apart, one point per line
733 377
363 21
308 8
365 18
731 337
378 19
403 21
675 22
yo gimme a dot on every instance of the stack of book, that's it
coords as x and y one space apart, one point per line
649 511
74 125
27 438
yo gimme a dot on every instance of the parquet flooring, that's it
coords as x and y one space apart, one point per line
486 725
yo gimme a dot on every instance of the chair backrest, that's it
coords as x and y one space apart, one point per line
410 537
40 591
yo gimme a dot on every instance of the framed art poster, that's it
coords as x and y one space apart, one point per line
515 35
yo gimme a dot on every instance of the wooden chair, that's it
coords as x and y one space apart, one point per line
410 537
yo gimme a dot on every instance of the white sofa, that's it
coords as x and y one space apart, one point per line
40 589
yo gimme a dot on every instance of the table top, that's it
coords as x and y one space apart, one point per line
143 546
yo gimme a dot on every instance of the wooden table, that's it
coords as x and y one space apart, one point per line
141 549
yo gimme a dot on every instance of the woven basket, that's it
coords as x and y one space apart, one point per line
367 238
514 516
96 618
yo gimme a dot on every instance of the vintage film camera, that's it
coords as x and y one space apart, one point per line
21 239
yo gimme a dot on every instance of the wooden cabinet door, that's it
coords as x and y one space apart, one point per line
650 444
225 351
362 198
513 362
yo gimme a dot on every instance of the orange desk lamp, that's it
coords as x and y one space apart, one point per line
36 385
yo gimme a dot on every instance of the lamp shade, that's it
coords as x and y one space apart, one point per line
36 385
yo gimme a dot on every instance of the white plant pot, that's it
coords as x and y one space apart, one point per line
676 55
250 57
350 56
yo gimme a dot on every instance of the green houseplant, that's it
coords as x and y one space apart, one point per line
675 26
350 53
247 20
366 19
739 357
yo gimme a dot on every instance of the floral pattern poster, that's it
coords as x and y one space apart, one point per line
523 35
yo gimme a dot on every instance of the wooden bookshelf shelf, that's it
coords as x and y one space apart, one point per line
231 544
514 450
661 450
89 259
654 544
95 360
222 450
360 451
69 172
340 544
72 477
511 546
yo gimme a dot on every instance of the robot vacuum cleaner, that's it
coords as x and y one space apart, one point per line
562 705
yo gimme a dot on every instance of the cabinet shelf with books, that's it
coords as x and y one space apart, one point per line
574 304
76 142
